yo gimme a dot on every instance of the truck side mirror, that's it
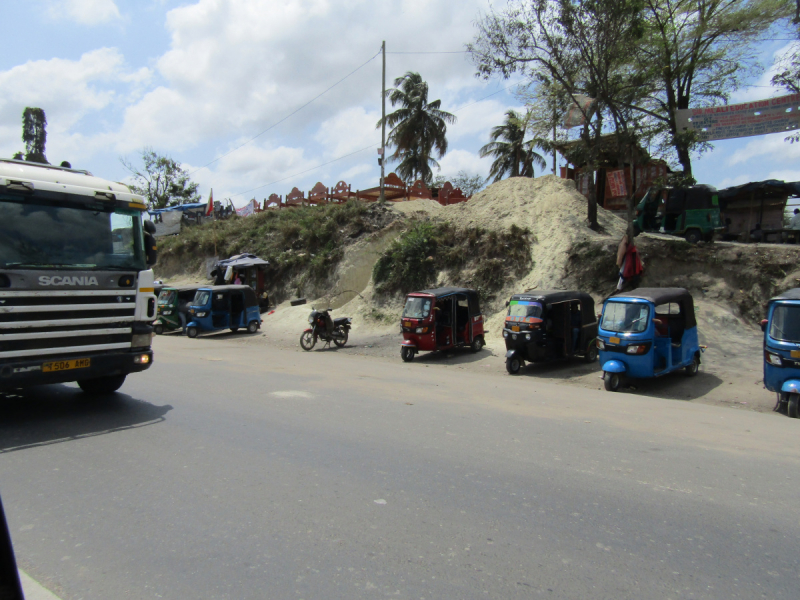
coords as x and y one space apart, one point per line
763 325
150 248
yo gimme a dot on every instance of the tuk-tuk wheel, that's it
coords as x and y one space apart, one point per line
591 354
477 344
792 407
234 329
612 381
406 353
252 327
513 365
693 236
691 369
158 328
191 332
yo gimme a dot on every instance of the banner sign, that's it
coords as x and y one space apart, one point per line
773 115
248 209
580 106
616 183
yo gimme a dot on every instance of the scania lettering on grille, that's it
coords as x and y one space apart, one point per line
68 280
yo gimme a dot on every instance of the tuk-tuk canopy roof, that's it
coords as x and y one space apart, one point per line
250 298
793 294
472 296
555 296
663 296
184 288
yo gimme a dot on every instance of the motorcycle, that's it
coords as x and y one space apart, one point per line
320 322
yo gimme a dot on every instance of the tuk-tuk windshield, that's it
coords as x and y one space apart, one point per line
521 308
201 298
625 317
167 297
417 308
785 325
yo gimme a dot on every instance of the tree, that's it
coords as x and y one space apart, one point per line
581 49
161 180
694 54
513 155
418 128
34 134
468 183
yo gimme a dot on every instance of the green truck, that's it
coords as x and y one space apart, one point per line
691 213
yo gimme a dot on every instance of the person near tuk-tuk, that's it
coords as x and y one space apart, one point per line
576 324
237 280
183 309
629 263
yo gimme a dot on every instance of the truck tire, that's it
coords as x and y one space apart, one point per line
693 236
101 385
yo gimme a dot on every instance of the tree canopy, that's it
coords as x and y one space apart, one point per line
34 134
418 128
512 153
161 180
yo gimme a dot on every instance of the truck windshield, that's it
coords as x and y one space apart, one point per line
521 308
625 317
785 324
48 235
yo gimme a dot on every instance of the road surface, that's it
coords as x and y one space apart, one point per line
235 470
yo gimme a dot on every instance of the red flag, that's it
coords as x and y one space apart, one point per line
210 207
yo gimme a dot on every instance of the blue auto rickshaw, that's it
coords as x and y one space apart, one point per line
782 349
646 333
223 307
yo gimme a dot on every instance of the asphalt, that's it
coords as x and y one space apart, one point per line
235 470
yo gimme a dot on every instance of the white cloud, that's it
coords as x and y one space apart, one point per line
348 131
773 147
84 12
732 181
785 175
462 160
762 88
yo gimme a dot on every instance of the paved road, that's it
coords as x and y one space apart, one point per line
231 470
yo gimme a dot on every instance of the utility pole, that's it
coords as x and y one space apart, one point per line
383 119
555 119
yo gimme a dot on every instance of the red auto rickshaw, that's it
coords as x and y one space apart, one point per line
441 319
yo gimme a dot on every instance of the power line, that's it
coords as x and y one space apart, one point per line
304 172
287 116
485 97
434 52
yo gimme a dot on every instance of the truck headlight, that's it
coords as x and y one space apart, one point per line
141 340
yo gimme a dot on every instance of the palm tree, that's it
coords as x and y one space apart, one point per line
418 127
513 155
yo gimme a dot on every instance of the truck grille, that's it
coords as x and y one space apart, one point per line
64 322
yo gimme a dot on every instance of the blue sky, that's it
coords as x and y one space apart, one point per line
197 79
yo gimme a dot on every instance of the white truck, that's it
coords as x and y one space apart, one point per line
76 288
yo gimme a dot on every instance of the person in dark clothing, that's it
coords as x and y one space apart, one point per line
183 309
576 325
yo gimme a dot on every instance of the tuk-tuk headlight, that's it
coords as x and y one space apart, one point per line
166 312
513 336
773 359
601 345
505 334
528 336
202 314
636 349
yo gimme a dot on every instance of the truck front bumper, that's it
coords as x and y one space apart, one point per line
27 372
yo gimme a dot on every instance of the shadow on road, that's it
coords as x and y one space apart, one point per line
53 414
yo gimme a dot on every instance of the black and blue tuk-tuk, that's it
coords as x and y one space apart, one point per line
544 325
224 307
782 350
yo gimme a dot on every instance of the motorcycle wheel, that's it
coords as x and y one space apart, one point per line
340 342
307 341
406 353
792 406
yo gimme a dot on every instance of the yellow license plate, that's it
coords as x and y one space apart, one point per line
408 324
795 353
66 365
515 328
614 340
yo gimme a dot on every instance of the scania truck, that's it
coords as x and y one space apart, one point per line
76 285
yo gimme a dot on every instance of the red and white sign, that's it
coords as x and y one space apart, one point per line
248 209
616 183
773 115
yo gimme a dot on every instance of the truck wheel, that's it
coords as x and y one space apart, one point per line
792 407
693 236
252 327
191 332
612 381
591 354
158 328
406 353
513 365
101 385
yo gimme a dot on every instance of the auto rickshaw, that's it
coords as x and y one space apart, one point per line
441 319
224 307
171 302
543 325
647 332
782 349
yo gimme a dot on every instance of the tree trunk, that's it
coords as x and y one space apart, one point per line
592 204
684 158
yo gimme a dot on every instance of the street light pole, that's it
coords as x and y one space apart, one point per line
383 120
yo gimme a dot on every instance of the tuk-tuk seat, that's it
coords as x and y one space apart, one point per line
662 329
